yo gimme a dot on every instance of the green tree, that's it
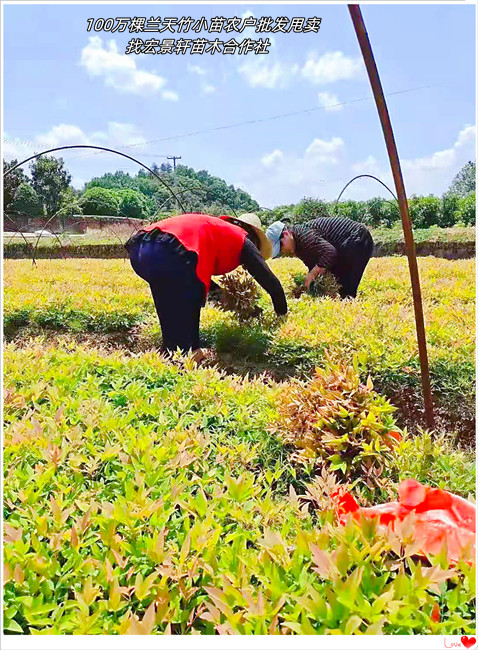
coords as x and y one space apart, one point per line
425 211
465 181
100 201
49 180
466 212
133 204
450 203
310 208
27 201
12 182
70 204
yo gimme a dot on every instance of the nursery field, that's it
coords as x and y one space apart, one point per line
103 302
145 496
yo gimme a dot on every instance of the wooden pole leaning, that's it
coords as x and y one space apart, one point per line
380 102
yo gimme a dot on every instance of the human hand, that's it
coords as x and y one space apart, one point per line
311 275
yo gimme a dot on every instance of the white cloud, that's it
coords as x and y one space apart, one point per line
208 89
329 101
120 71
62 134
116 135
428 174
261 73
323 151
196 69
330 67
324 167
285 177
170 95
272 158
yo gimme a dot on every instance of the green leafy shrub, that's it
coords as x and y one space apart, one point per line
425 211
132 204
69 204
339 423
100 201
142 498
309 208
27 201
435 460
466 211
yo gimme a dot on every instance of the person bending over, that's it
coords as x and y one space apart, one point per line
336 244
178 256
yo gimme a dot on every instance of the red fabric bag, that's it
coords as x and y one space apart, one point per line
439 517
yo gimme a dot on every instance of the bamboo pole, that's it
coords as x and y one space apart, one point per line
380 102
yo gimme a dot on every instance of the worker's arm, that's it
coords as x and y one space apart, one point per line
253 262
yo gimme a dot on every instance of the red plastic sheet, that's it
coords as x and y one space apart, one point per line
439 517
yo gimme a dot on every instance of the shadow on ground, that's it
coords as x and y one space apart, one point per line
254 352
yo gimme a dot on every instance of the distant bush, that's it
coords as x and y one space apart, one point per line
310 208
98 200
466 212
132 204
69 204
424 211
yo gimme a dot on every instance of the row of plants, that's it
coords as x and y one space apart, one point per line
145 497
101 296
424 211
108 243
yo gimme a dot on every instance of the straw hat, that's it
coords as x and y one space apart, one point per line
251 220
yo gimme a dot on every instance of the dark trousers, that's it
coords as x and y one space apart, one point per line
352 259
177 292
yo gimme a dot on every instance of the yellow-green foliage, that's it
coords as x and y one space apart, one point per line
378 327
342 425
142 497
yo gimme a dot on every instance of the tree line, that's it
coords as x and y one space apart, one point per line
48 191
456 206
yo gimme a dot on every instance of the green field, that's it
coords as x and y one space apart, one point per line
145 496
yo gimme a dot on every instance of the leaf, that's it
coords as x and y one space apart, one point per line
18 574
142 587
185 548
7 573
12 626
353 623
120 561
74 537
12 534
323 563
89 594
115 600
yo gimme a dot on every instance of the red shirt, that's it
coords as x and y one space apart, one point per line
217 243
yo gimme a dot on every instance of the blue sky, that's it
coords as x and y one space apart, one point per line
64 85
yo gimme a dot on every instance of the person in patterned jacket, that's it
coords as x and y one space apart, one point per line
335 244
